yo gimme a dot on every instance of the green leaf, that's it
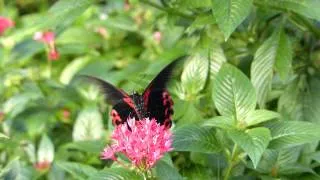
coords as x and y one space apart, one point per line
299 104
311 102
267 161
77 170
233 93
116 174
307 8
309 177
253 141
61 14
121 22
196 139
46 150
166 171
194 4
200 21
24 50
86 146
72 68
64 12
294 168
289 103
259 116
56 172
292 133
3 136
288 156
273 161
316 156
198 172
283 63
18 103
223 122
88 125
15 171
194 75
200 158
275 51
188 112
78 35
230 13
216 60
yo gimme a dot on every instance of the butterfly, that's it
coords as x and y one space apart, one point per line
155 101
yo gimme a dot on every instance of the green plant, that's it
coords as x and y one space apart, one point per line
247 102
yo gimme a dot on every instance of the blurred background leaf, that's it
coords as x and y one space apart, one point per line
246 100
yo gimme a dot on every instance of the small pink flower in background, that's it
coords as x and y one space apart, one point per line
5 23
66 113
103 32
144 142
53 55
157 36
42 166
48 38
45 37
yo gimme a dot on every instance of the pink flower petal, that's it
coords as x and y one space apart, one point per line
46 37
144 144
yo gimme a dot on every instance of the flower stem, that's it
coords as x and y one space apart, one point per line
49 68
231 162
145 175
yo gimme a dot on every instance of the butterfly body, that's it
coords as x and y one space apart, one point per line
159 108
154 103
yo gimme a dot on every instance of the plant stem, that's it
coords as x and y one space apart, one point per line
145 175
49 68
170 11
231 162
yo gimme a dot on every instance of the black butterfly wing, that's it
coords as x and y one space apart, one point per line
157 100
123 105
121 112
160 106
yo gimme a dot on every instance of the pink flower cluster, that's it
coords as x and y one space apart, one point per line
5 23
144 142
48 38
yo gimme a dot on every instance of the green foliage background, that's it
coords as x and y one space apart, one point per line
247 101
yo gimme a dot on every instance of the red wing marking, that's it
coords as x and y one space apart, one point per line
116 119
146 95
129 101
168 111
